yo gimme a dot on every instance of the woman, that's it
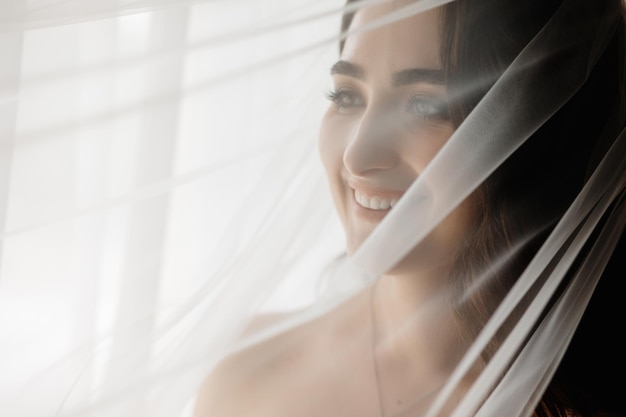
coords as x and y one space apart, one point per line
405 93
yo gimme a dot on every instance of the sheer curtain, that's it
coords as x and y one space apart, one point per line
160 187
143 143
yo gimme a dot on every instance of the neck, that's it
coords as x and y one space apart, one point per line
414 320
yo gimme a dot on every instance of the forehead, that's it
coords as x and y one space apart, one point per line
411 42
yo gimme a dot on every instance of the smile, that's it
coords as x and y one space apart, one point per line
375 202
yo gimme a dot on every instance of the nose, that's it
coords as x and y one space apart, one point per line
374 143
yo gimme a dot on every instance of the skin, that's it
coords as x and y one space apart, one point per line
376 137
386 123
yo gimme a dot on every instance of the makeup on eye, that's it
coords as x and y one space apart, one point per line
418 106
429 107
345 98
429 104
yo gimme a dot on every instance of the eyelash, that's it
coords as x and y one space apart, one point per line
438 107
337 96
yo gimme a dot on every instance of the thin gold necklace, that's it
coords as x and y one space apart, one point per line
373 348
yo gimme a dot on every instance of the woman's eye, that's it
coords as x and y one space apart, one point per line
345 99
427 107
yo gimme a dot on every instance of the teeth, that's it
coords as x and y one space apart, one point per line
374 203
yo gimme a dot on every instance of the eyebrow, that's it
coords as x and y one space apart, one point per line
418 75
348 69
398 79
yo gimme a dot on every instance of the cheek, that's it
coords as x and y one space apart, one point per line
331 145
424 143
459 224
440 249
331 154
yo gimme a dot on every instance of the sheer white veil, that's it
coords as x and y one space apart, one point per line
164 207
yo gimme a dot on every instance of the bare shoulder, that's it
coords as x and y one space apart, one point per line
274 377
242 381
224 390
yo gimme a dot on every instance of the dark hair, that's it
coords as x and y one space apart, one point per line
480 38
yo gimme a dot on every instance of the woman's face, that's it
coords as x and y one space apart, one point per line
387 119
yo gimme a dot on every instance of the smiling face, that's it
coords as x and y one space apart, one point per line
387 119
